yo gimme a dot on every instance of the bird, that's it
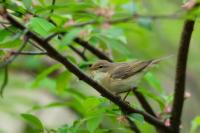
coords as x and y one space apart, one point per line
119 77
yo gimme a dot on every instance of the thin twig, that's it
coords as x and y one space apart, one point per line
5 80
92 49
76 71
78 53
50 37
28 53
9 61
180 75
2 22
29 41
36 46
53 3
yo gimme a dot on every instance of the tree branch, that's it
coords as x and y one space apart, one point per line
133 126
144 102
180 75
72 68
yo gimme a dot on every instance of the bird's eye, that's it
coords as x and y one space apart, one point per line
90 65
101 66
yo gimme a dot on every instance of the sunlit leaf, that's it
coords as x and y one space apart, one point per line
62 81
153 81
33 120
44 74
91 103
69 37
117 46
195 124
10 43
94 121
41 26
76 126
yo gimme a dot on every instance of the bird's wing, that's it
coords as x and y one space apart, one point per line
127 70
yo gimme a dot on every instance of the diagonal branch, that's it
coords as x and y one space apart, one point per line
144 102
75 70
180 75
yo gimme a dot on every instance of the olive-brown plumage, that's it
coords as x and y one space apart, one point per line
120 77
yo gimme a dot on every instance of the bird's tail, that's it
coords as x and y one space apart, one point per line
155 61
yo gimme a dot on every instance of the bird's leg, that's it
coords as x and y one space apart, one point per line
126 95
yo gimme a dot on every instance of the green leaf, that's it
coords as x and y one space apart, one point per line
94 121
117 46
34 121
195 124
62 82
76 126
3 34
154 82
91 103
44 74
64 129
27 3
113 32
85 64
40 26
69 37
136 117
2 53
10 43
19 10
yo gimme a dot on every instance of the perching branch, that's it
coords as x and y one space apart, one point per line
75 70
180 75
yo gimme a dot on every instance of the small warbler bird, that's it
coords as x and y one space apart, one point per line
122 76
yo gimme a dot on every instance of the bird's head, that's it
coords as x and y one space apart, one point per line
101 66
